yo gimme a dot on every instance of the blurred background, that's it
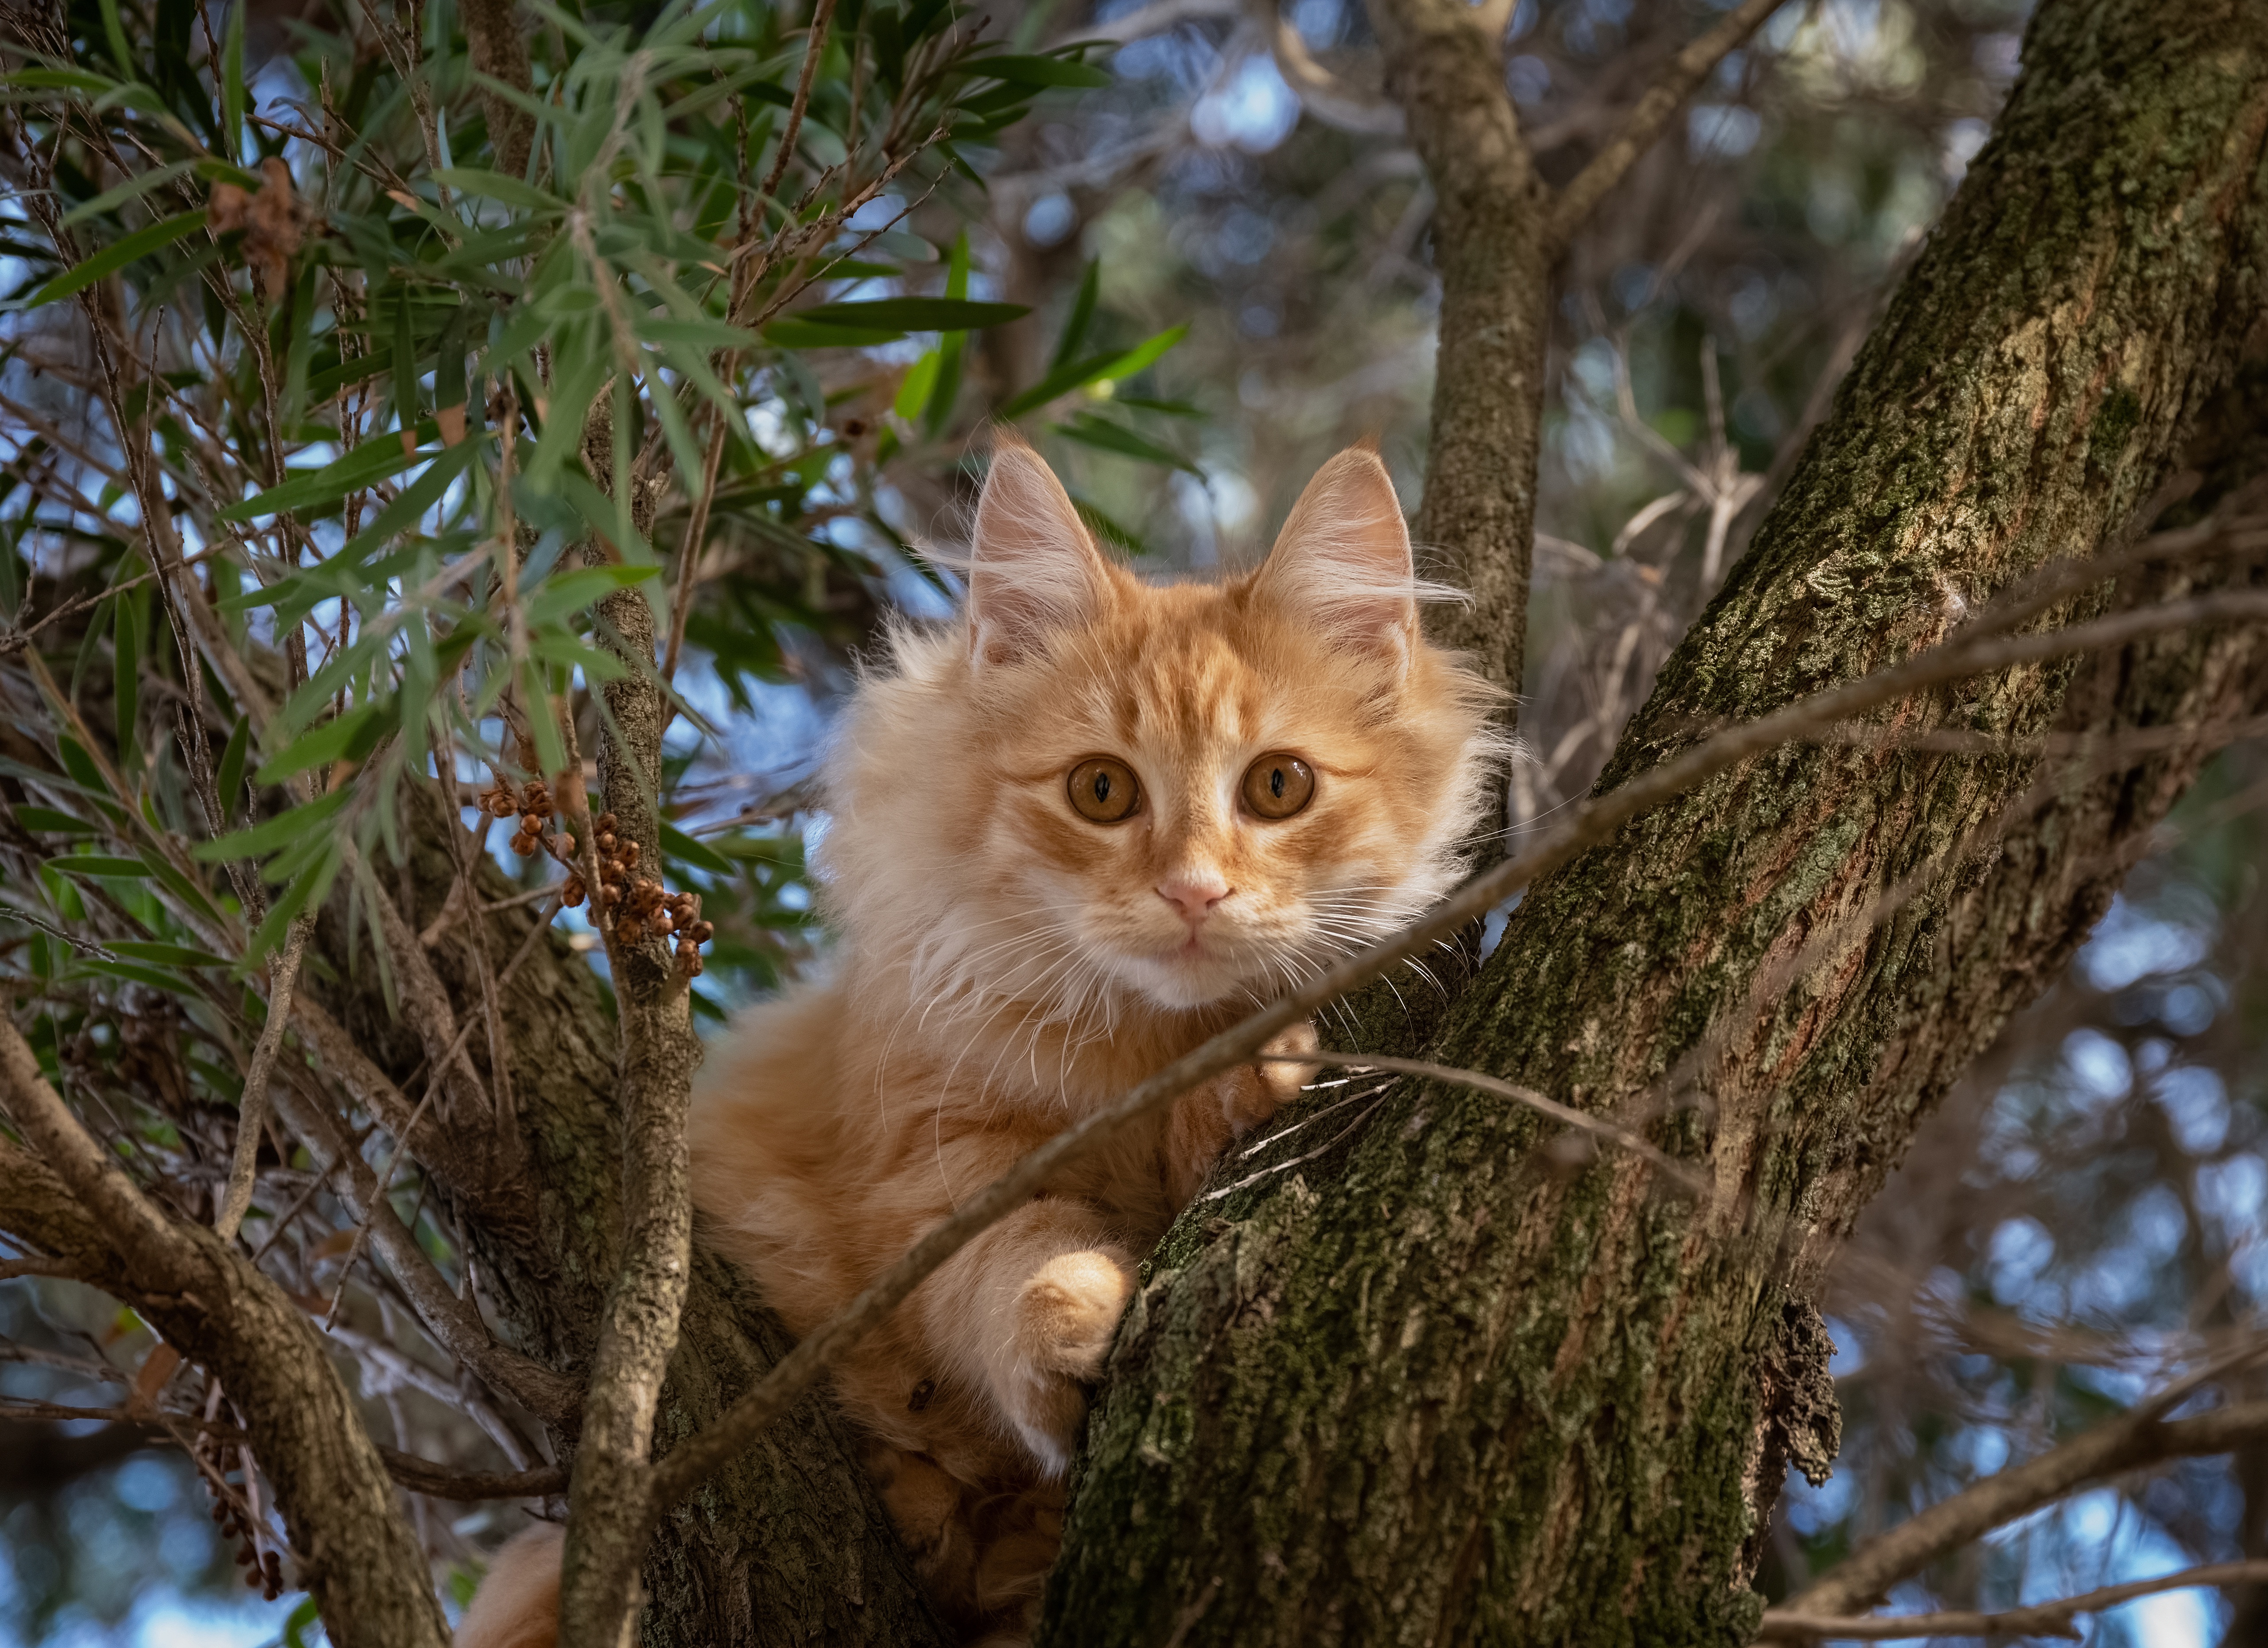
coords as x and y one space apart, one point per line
2086 1212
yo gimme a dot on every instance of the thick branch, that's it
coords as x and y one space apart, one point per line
355 1551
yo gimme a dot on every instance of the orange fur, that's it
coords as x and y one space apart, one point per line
1007 965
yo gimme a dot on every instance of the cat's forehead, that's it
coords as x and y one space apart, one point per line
1182 667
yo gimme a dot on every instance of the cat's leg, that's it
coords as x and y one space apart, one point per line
518 1603
1029 1307
1232 1104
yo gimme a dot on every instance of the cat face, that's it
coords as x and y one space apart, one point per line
1172 795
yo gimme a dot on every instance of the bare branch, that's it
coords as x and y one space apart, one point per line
252 1110
2140 1438
2041 1619
815 45
1565 1115
1678 80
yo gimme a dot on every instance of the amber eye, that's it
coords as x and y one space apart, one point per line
1105 791
1277 786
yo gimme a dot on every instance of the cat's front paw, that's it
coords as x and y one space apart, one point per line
1067 1312
1252 1093
1066 1315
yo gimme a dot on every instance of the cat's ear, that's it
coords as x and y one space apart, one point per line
1342 561
1034 570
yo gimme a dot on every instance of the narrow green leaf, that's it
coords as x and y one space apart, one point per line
231 781
171 984
347 737
108 868
366 465
1105 436
118 254
1144 353
678 845
272 834
1041 71
50 821
501 188
1082 315
167 954
232 81
949 346
125 673
566 593
140 183
122 53
913 314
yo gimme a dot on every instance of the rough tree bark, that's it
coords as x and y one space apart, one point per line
1455 1388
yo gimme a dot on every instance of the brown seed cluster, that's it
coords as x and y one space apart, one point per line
263 1572
637 905
640 905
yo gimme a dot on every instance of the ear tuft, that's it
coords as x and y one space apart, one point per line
1034 571
1342 561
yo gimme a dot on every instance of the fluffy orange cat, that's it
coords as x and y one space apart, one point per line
1071 836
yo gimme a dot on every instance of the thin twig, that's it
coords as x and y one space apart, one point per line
2040 1619
814 48
1565 1114
252 1108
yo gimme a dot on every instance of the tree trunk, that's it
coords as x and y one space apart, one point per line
1451 1387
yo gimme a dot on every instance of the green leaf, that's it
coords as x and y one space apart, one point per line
170 983
913 389
231 83
231 782
99 864
348 737
566 593
913 314
501 188
1040 71
366 465
1082 315
791 332
272 834
117 255
1104 436
949 346
122 53
1144 353
167 954
140 183
51 822
678 845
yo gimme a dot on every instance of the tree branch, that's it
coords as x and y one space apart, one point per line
150 1243
2136 1440
252 1110
356 1552
2041 1619
1678 80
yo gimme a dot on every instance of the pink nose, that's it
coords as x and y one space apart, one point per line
1194 897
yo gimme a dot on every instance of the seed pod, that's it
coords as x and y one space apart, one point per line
606 840
606 822
531 823
662 923
571 893
566 845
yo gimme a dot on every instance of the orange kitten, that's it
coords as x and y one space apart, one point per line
1071 836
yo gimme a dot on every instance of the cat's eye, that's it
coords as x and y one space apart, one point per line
1277 786
1104 790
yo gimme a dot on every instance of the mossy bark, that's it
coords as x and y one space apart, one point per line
1454 1387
